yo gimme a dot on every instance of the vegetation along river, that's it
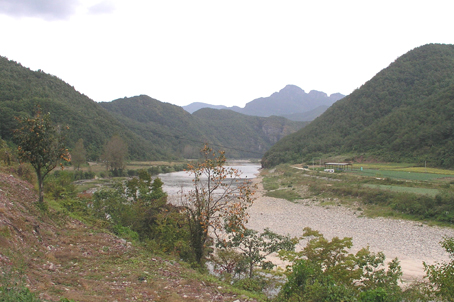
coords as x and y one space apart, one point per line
412 242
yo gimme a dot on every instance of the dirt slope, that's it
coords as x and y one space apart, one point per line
64 258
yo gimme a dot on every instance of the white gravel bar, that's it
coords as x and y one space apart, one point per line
411 242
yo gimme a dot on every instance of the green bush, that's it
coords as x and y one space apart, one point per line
60 185
75 205
325 271
249 284
138 208
441 275
125 232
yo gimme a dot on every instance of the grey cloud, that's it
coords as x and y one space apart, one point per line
104 7
44 9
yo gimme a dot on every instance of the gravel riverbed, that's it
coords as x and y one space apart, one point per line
411 242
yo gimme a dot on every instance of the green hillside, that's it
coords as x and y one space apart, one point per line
404 113
21 89
175 131
242 133
152 129
170 128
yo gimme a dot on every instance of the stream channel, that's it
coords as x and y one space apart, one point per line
175 182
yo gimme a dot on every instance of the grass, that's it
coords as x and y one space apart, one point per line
401 174
406 167
405 171
413 190
389 190
131 165
289 195
383 166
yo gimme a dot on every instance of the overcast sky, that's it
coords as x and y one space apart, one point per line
217 52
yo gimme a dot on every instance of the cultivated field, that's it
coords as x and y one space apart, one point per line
386 208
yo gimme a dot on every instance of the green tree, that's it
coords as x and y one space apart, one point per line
78 156
219 198
115 152
254 247
5 153
138 209
42 144
441 275
325 271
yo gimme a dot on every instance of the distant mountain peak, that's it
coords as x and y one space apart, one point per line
288 101
292 88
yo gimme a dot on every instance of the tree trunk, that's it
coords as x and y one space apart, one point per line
40 187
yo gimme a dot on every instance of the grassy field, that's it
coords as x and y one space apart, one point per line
132 165
413 190
408 174
402 171
396 190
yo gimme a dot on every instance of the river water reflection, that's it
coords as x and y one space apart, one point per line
175 182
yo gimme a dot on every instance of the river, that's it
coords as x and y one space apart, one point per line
175 182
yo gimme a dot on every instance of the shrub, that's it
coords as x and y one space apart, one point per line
138 209
60 185
441 275
325 271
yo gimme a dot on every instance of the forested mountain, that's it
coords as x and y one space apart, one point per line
176 131
21 89
251 132
308 115
291 102
404 113
168 127
153 130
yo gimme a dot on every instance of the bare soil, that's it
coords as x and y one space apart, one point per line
64 258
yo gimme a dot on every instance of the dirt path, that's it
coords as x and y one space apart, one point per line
411 242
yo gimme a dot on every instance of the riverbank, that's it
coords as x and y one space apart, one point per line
411 242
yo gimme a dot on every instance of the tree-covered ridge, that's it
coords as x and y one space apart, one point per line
21 89
404 113
176 131
171 129
258 134
153 130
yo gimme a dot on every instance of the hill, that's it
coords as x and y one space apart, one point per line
176 131
404 113
21 89
56 256
291 102
242 132
193 107
308 115
152 129
170 129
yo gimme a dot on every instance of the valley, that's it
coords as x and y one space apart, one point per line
94 230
